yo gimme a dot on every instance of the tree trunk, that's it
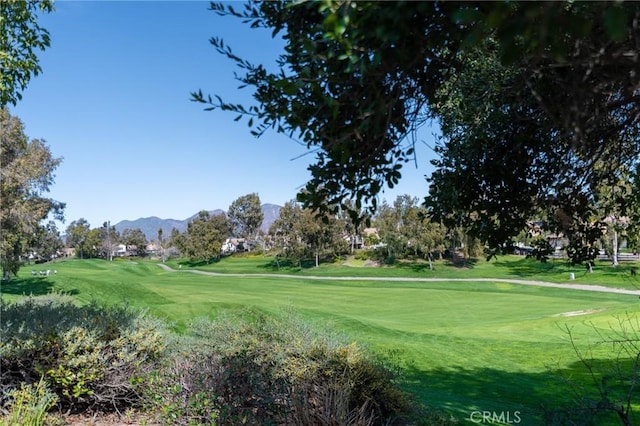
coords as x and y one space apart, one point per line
614 254
430 262
317 260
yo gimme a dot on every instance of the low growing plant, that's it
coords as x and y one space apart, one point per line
29 404
257 369
89 356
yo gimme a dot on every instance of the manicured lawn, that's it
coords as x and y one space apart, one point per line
462 346
515 267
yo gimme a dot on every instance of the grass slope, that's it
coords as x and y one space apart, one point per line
463 346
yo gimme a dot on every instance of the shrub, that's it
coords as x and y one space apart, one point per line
89 356
257 369
364 254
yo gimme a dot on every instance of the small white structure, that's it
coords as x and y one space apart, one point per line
119 250
233 245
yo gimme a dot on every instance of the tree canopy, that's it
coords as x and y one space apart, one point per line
204 237
79 236
540 130
27 173
529 96
245 214
297 234
20 37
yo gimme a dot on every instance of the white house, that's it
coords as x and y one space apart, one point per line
233 245
119 250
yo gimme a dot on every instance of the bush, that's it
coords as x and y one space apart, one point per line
255 369
365 254
89 356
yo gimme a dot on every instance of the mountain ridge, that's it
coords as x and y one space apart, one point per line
150 225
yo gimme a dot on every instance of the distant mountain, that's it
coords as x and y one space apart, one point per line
271 213
150 225
211 213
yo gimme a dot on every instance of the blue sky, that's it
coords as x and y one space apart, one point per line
114 101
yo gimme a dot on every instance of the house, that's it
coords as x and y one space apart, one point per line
360 241
233 245
119 250
153 248
354 241
68 252
122 250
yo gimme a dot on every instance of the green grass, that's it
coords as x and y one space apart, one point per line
514 267
462 346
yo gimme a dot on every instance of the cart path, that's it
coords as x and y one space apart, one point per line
583 287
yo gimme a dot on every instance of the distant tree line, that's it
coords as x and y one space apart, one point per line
302 236
100 242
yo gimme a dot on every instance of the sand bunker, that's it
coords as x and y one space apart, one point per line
576 313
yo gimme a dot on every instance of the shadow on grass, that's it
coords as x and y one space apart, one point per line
291 265
199 263
527 267
420 265
413 266
460 262
553 397
36 286
627 273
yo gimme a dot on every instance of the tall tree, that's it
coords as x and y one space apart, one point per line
204 237
615 205
352 218
20 38
109 238
406 230
286 235
388 223
245 214
27 174
46 241
432 238
487 112
298 234
77 236
93 246
174 244
323 234
479 125
160 240
358 78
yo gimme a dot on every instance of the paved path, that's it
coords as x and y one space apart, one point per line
583 287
